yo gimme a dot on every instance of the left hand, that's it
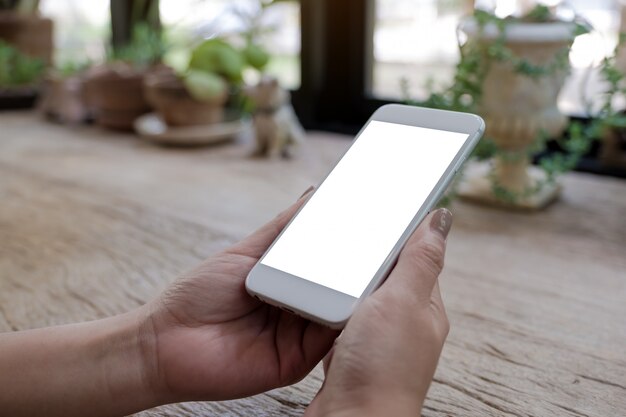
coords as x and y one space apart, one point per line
210 340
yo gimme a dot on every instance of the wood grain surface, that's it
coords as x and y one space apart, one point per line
94 223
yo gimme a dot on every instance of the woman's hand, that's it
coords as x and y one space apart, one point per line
205 338
213 341
385 359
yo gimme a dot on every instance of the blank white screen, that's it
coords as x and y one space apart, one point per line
352 222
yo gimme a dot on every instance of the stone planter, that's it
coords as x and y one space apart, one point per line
115 93
517 109
168 95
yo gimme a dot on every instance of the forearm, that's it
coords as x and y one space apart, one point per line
94 368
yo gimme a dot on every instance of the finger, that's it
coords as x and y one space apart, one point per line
421 260
317 341
308 190
256 244
328 358
435 296
441 318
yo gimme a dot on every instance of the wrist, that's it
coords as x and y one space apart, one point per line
96 368
125 345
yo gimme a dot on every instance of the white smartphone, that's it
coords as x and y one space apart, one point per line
344 241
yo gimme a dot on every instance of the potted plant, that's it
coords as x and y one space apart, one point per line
198 95
115 89
609 122
20 77
63 94
510 72
26 48
21 26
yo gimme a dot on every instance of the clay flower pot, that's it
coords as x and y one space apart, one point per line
31 34
517 108
168 95
115 93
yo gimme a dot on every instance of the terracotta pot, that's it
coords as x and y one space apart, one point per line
31 34
516 107
168 95
115 93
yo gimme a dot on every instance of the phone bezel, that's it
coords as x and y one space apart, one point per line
333 308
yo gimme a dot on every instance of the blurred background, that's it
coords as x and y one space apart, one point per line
339 60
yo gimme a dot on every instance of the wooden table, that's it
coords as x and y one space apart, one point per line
94 223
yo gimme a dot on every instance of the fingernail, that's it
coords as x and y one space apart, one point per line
441 222
308 190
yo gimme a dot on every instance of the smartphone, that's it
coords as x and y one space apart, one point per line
345 239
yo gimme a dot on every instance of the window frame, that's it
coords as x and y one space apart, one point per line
336 63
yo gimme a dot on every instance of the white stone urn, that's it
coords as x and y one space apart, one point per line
517 108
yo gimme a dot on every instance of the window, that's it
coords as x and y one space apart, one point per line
81 29
588 50
415 41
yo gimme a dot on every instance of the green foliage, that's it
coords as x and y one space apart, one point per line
18 69
608 118
256 56
465 94
146 47
218 63
540 14
20 6
204 86
218 57
576 144
222 58
71 68
215 63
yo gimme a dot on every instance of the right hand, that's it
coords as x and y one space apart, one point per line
386 357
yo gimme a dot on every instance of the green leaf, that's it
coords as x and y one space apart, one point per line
204 86
18 69
219 57
256 56
539 13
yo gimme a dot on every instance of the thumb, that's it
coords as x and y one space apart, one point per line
257 243
421 260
